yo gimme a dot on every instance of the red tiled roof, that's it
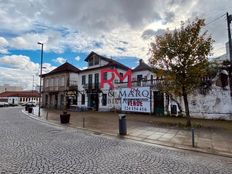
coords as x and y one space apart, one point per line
19 94
66 67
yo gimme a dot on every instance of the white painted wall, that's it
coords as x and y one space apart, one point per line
217 104
14 100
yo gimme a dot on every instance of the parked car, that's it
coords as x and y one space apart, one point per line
32 104
4 104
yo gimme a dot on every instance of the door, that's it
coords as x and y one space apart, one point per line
158 98
93 101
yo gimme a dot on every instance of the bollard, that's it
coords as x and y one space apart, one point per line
47 116
193 140
83 122
122 124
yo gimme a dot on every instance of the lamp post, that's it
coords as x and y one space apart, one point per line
40 82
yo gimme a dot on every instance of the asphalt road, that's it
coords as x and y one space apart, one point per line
30 146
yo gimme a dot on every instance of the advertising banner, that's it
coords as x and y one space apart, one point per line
135 99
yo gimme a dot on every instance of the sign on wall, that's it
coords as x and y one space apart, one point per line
135 99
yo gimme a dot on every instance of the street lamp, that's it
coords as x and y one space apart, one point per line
40 82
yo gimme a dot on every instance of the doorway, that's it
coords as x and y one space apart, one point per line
93 101
158 98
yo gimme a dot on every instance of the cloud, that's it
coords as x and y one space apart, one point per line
102 25
77 58
149 33
3 45
60 60
85 67
19 70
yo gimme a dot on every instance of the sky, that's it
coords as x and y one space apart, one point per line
71 29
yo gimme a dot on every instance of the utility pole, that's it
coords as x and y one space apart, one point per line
40 82
229 19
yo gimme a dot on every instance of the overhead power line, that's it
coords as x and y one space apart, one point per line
215 19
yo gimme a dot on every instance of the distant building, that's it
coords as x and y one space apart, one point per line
19 97
7 87
224 57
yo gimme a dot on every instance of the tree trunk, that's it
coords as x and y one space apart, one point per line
185 96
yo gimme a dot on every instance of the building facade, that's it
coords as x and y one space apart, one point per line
19 97
60 87
71 88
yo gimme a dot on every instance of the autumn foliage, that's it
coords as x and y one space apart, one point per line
181 55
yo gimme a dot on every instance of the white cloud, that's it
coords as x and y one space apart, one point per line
82 68
19 70
60 60
3 45
77 58
116 25
3 42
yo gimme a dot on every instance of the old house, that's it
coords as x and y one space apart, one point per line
60 87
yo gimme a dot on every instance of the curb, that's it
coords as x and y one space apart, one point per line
128 137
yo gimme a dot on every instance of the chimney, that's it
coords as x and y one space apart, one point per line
141 61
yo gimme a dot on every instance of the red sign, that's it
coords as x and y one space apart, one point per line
113 72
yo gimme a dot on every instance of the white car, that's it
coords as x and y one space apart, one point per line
33 104
2 104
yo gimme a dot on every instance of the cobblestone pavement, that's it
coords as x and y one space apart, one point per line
29 146
141 128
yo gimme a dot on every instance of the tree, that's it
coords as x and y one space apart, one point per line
181 55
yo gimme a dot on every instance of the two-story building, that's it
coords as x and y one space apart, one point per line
90 93
60 87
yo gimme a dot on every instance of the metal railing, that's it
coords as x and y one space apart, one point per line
91 86
141 83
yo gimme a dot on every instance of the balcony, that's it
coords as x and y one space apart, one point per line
140 83
54 89
72 85
91 86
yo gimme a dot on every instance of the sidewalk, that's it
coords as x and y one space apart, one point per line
142 128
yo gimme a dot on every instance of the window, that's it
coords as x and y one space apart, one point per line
105 75
55 81
90 81
61 81
91 61
46 82
82 99
104 99
83 80
121 75
51 82
139 77
96 60
96 80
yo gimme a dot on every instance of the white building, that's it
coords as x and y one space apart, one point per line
19 97
90 95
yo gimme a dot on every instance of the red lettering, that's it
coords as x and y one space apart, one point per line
110 81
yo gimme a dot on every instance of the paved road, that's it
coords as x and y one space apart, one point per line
29 146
